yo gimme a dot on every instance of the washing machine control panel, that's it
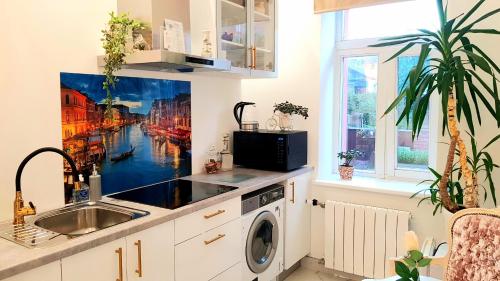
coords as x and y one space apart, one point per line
261 198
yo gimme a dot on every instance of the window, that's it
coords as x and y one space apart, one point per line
390 20
365 85
67 99
359 95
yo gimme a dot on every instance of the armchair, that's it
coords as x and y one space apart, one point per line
474 247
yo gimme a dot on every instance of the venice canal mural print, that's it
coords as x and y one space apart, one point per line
145 139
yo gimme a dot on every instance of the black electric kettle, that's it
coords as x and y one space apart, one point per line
238 115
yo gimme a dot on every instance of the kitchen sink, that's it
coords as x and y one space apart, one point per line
87 218
56 226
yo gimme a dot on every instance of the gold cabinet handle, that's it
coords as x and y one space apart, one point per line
120 264
293 192
214 214
139 258
220 236
254 58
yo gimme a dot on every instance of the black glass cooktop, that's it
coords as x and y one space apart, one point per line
172 194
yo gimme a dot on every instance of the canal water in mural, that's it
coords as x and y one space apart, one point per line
142 137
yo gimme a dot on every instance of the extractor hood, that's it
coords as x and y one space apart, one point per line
167 61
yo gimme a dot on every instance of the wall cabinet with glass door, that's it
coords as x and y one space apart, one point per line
246 31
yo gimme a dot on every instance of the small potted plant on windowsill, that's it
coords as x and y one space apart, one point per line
346 170
285 111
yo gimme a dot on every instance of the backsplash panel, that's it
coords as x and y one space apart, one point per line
147 139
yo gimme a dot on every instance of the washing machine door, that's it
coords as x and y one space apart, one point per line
262 242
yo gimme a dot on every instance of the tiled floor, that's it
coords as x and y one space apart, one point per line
305 274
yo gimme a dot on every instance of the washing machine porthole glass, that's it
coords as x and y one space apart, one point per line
262 244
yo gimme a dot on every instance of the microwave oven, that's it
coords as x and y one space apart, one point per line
270 150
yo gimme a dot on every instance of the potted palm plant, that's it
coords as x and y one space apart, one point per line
454 73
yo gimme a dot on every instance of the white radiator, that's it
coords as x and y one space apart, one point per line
359 239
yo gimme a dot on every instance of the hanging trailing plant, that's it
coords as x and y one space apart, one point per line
454 74
114 40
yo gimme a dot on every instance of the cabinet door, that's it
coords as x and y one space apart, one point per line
297 219
232 33
150 254
232 274
263 37
103 263
48 272
209 254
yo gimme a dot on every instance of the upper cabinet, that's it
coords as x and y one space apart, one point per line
237 37
247 36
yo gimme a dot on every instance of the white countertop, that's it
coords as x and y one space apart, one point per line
15 258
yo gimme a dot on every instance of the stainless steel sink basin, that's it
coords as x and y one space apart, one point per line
52 227
84 219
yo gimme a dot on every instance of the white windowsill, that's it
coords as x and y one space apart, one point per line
386 186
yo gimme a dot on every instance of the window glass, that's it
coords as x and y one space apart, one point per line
390 19
410 154
359 90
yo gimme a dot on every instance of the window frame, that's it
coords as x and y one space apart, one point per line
385 134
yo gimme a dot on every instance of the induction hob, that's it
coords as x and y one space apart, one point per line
172 194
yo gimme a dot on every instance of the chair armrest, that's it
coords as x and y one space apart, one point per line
440 261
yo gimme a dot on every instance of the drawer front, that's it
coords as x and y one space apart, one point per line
232 274
208 255
189 226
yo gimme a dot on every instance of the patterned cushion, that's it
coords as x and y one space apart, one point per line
475 250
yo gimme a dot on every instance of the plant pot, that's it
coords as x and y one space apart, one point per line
285 121
346 172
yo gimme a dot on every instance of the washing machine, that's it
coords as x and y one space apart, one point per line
262 217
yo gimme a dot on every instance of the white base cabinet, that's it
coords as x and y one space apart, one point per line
103 263
232 274
297 219
144 256
209 254
48 272
150 254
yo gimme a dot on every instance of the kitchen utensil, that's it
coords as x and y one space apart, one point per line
245 123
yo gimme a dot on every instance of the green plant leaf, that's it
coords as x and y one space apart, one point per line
416 255
485 31
466 29
479 61
409 262
415 274
424 262
436 208
493 140
491 185
469 14
482 98
486 57
404 49
441 12
392 43
492 92
402 270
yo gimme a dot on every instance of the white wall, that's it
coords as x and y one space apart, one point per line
40 39
299 82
